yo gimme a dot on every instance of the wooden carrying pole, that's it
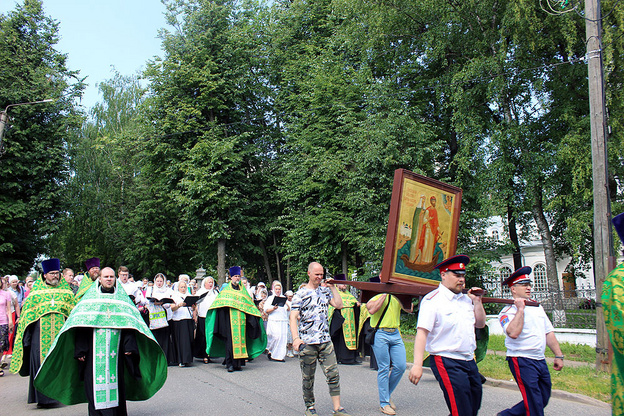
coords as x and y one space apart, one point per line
405 292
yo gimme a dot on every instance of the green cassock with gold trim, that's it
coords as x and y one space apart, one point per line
59 376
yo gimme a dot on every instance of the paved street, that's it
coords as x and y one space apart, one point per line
272 388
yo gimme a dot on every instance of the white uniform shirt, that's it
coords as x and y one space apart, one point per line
450 320
531 343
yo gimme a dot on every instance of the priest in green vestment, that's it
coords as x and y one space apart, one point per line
234 327
343 325
613 304
93 272
44 312
105 354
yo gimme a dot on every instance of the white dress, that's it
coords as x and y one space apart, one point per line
277 329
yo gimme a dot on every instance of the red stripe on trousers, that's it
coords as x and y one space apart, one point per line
514 360
447 384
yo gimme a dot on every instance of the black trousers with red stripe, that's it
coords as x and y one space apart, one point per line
461 384
533 380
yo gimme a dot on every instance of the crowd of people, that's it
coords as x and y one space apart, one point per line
59 326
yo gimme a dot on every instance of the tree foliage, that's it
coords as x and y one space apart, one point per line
274 130
33 163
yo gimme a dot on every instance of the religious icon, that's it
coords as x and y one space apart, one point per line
422 229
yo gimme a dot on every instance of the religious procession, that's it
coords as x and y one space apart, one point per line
102 338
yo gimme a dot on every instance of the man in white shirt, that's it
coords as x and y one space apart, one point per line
131 288
446 329
528 330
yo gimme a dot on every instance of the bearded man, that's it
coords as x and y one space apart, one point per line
43 314
93 272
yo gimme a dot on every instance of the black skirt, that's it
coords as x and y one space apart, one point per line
199 346
182 332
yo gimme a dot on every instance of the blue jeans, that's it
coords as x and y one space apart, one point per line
389 352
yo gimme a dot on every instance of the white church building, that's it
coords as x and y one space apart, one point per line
532 251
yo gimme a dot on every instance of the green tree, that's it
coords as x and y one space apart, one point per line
33 167
211 144
103 191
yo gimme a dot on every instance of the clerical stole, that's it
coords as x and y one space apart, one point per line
238 325
105 366
348 313
349 331
51 306
50 325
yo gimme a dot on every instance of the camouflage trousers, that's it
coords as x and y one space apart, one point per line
324 354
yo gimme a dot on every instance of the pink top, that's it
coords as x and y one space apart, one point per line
5 297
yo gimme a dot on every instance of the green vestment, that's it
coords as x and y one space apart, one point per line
349 330
613 305
59 378
49 305
85 284
240 303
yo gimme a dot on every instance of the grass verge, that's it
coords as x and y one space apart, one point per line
578 379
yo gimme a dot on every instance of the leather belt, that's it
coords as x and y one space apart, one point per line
389 329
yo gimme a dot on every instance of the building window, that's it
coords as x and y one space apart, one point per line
505 272
492 284
540 279
495 235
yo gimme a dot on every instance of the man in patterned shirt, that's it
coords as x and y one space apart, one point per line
311 336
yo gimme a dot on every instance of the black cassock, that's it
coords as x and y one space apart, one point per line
343 354
128 366
223 330
32 361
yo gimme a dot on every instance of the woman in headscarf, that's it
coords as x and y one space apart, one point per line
258 292
183 326
160 313
208 286
277 322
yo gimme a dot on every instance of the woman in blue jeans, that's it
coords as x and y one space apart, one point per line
388 347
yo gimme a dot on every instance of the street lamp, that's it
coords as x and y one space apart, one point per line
4 117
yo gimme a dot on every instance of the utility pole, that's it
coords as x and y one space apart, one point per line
603 240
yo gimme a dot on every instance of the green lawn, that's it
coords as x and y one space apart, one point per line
581 379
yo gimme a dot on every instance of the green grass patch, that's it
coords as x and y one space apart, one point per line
572 352
581 380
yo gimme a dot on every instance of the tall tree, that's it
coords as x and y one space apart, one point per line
33 167
102 191
211 140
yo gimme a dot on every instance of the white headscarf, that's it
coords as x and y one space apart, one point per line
205 304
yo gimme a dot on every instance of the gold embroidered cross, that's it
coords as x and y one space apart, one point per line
108 313
52 302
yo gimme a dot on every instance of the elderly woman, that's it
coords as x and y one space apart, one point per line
277 308
6 323
199 347
183 326
160 313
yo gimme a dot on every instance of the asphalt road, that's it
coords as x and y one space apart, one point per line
273 388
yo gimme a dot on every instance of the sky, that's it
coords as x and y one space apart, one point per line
98 35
